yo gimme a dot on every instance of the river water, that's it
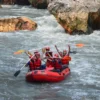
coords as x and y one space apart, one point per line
82 84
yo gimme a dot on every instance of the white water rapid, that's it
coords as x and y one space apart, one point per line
82 84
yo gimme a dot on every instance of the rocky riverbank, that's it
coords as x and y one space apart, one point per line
75 16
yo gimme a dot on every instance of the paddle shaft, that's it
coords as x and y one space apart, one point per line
18 72
58 51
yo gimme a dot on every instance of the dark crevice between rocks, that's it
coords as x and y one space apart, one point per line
94 20
42 6
22 2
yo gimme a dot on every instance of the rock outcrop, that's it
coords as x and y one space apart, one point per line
40 4
15 24
79 16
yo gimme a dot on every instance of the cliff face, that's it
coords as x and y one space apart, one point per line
80 16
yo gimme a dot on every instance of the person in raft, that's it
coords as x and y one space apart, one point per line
35 62
66 58
57 64
48 56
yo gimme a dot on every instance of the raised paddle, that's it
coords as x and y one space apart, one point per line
80 45
22 51
19 52
58 51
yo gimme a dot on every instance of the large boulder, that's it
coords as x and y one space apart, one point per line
15 24
40 4
76 16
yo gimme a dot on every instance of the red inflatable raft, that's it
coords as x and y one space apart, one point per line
47 75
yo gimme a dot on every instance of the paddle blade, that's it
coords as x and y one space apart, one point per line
30 53
17 73
43 50
80 45
74 52
19 52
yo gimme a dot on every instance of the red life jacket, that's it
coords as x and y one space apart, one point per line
66 59
31 65
35 63
48 54
48 62
57 64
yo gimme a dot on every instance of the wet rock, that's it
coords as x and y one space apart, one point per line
22 2
19 2
76 16
73 22
40 4
15 24
94 20
8 2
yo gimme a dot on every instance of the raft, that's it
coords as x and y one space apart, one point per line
47 75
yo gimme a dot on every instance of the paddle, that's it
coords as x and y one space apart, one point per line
19 52
22 51
58 51
18 72
80 45
74 52
28 53
44 51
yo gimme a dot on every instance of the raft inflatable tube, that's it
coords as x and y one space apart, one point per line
47 75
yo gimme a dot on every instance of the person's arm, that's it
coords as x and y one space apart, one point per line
58 51
32 60
27 64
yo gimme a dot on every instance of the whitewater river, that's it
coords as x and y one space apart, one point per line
82 84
